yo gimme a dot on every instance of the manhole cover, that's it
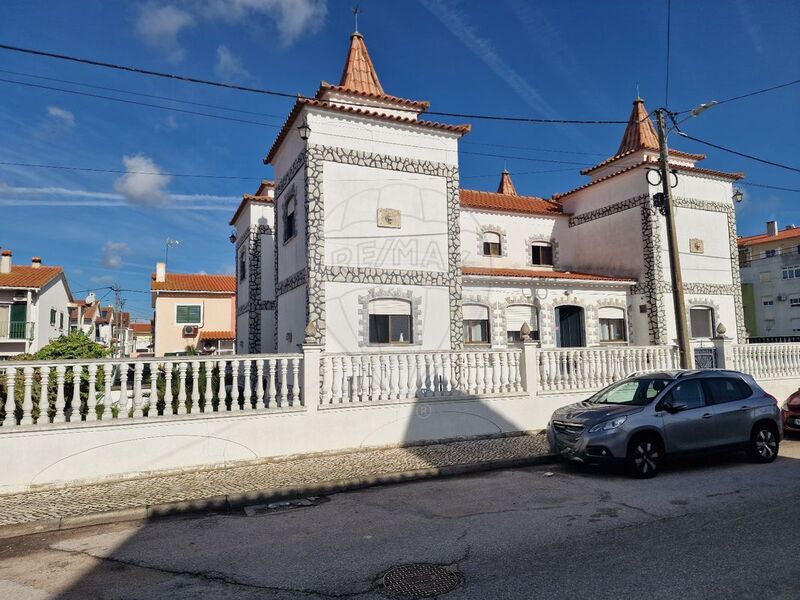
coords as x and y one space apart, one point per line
420 581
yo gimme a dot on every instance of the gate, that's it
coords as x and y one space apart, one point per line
705 358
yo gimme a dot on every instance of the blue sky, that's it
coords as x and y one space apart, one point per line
578 59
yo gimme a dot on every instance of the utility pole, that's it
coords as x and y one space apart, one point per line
672 243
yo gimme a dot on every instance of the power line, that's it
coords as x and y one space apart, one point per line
242 88
737 153
770 187
749 94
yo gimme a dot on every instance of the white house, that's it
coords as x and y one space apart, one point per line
34 305
367 242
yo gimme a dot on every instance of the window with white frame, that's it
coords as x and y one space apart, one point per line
289 220
612 324
770 253
53 314
189 314
767 300
792 272
701 321
476 324
542 254
492 244
516 316
794 301
390 321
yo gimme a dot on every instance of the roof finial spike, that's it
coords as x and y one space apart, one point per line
356 11
638 95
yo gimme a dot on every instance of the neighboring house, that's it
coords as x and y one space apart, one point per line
34 305
770 267
366 242
142 338
192 310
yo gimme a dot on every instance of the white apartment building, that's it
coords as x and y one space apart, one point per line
366 241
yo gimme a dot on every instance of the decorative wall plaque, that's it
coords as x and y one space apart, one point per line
696 246
389 217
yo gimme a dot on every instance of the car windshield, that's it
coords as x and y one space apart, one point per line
636 392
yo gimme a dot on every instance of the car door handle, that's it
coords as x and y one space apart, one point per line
707 416
745 407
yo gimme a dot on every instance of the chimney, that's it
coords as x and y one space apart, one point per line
161 272
772 228
5 261
36 262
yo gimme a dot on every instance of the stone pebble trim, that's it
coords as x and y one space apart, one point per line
66 502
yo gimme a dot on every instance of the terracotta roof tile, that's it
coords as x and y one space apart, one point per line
28 277
496 272
418 104
640 132
763 238
142 328
192 282
217 335
506 186
359 73
249 198
509 203
616 157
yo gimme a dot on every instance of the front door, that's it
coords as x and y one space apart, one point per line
569 324
693 427
16 327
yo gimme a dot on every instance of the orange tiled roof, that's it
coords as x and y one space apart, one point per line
217 335
506 186
248 198
541 274
142 328
193 282
359 73
28 277
616 157
763 238
363 112
509 203
418 104
640 132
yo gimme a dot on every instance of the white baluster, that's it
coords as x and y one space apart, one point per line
222 404
91 399
168 368
295 381
248 385
208 393
327 380
153 410
384 369
480 381
472 373
182 368
195 387
75 413
447 384
337 380
235 391
124 409
272 390
284 383
394 377
27 396
260 383
419 384
402 376
375 374
108 375
138 371
10 405
44 396
60 417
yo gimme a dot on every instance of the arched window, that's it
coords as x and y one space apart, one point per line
390 321
542 254
492 244
701 321
612 324
516 316
476 324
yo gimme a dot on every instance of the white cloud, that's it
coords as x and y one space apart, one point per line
229 66
112 253
61 116
102 280
159 26
144 183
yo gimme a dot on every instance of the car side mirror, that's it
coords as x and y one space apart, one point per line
674 406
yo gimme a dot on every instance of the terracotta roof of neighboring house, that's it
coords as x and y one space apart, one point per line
764 238
540 274
685 168
29 277
353 110
506 202
142 328
217 335
249 198
359 73
194 282
417 104
616 157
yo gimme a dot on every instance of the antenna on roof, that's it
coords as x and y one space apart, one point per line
356 11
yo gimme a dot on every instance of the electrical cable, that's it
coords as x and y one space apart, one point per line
737 153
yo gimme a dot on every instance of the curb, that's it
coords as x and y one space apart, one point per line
231 502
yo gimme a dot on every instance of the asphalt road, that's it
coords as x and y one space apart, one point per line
714 528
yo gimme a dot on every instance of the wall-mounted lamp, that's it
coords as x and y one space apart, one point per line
232 238
738 196
304 130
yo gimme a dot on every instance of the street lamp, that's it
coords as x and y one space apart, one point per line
738 196
232 238
304 130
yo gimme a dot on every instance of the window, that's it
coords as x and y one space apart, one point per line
795 325
390 322
766 277
61 321
770 253
542 254
516 316
53 317
701 319
242 265
612 324
727 389
636 392
795 301
690 392
492 244
767 300
792 272
476 324
289 222
189 314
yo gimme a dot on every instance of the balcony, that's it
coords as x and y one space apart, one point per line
16 330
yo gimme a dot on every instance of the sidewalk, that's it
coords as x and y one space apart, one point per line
226 488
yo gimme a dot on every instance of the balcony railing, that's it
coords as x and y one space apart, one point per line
16 330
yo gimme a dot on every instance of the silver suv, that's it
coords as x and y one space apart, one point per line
647 416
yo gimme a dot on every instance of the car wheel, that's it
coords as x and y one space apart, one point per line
764 443
644 456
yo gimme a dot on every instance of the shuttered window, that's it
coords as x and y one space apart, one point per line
390 321
492 244
516 316
476 324
701 321
188 314
612 324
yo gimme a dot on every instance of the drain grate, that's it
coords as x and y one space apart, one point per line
420 581
264 509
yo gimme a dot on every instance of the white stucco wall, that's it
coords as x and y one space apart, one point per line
52 296
291 319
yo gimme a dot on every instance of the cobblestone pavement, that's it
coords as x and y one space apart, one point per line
144 492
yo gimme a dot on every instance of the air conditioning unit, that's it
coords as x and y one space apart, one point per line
189 330
782 298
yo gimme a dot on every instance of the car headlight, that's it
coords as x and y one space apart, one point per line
612 424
